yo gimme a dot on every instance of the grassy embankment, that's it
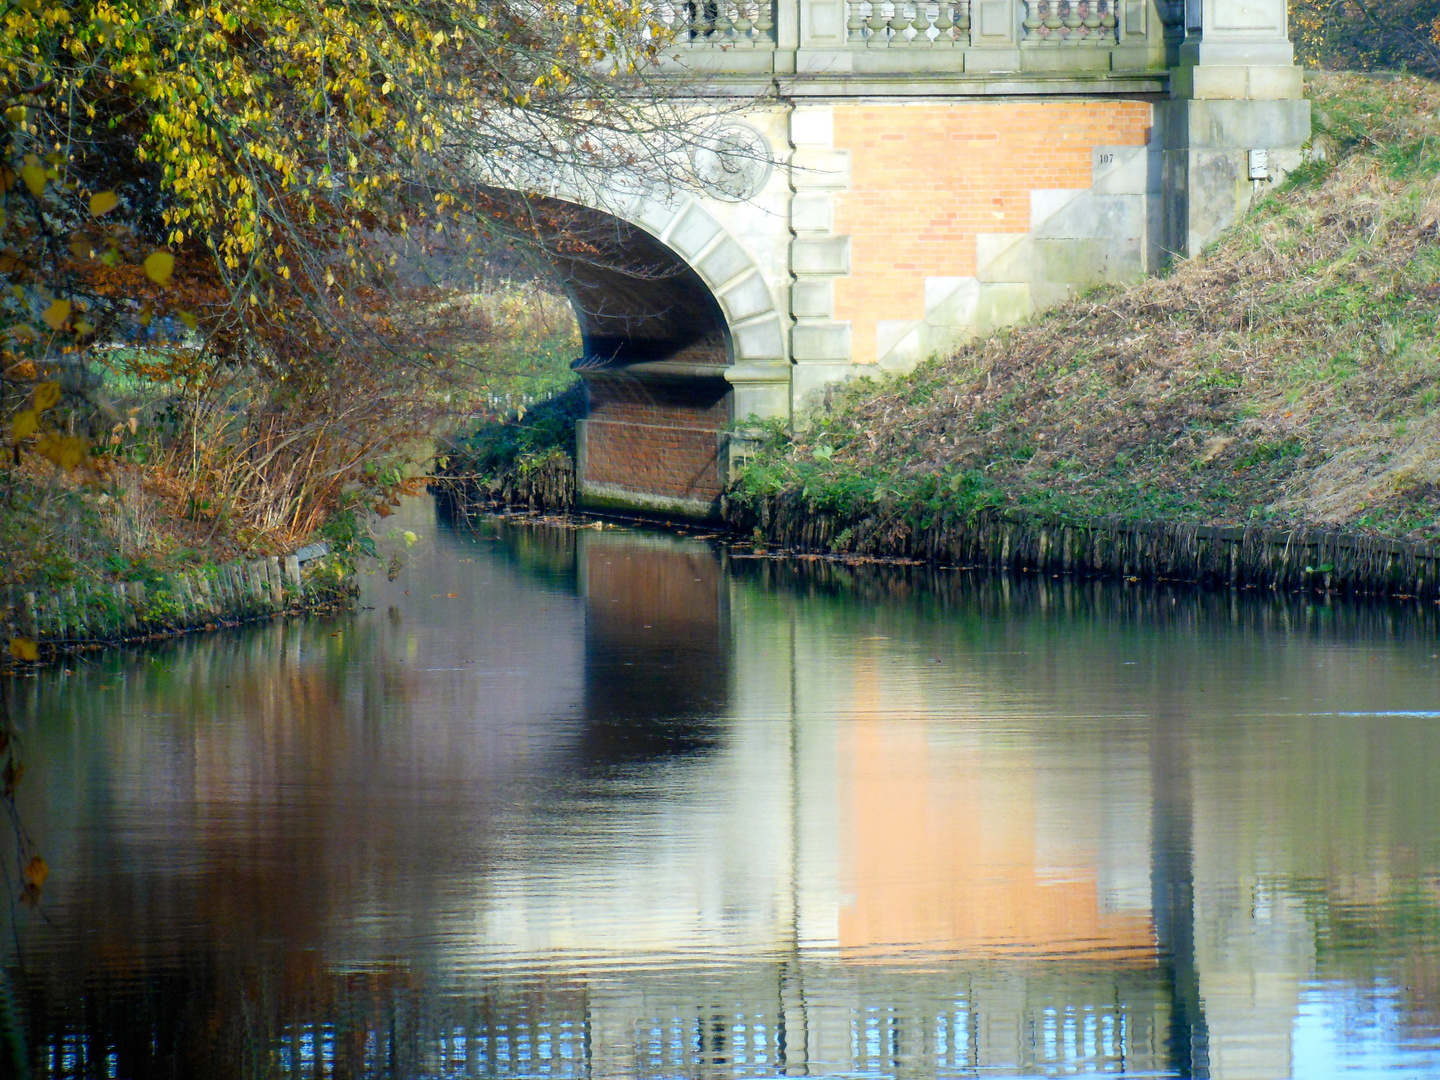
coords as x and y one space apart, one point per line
188 480
1288 377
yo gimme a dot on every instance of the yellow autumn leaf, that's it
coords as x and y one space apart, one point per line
24 425
24 649
34 177
66 451
159 265
56 314
36 872
45 396
73 453
102 203
82 247
188 319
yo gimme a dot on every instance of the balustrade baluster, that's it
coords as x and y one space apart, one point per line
1073 22
765 21
921 23
855 27
1034 23
944 24
1092 21
877 23
899 23
724 23
1054 24
743 22
702 19
962 23
1108 22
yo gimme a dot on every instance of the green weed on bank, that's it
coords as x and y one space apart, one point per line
1290 375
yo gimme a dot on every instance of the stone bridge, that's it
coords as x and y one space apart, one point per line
902 175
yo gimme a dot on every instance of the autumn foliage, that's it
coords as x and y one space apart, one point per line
1366 35
230 238
231 234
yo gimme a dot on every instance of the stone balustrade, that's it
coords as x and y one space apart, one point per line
719 24
914 25
940 43
1068 23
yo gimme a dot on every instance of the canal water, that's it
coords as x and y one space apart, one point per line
610 803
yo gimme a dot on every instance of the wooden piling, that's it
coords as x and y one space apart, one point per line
1291 559
276 582
29 621
86 612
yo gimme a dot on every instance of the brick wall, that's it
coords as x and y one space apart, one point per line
709 349
926 178
656 436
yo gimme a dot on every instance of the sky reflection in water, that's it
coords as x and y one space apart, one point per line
625 805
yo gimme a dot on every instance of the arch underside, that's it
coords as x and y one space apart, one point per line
635 299
657 344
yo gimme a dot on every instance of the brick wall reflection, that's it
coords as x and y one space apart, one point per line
656 652
939 848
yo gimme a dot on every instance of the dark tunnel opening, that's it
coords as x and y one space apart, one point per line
636 300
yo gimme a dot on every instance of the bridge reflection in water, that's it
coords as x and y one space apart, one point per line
612 805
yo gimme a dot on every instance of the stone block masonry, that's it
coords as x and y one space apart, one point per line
878 186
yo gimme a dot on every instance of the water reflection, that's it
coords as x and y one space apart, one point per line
656 649
615 804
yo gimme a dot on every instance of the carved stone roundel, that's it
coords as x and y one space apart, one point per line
734 162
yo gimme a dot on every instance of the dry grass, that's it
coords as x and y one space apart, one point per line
235 462
133 520
56 523
1291 374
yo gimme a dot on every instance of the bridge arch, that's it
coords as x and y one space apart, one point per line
682 336
663 279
